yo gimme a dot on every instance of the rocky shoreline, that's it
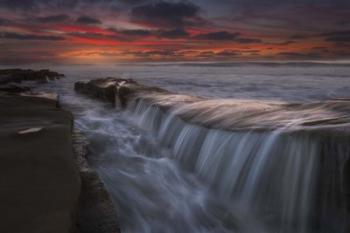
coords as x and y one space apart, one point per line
47 185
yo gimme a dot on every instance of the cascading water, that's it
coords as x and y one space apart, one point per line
272 176
169 175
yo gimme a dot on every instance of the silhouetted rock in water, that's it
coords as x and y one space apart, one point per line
19 75
11 88
40 184
114 90
104 89
96 211
294 155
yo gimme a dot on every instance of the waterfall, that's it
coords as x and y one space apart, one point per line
291 180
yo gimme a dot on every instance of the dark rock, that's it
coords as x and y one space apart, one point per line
96 211
114 89
127 91
40 183
19 75
104 89
11 88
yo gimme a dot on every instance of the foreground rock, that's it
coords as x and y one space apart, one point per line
96 211
20 75
46 187
40 184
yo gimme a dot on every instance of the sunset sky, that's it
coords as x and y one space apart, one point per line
84 31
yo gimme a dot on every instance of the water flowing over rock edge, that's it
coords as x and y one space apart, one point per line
314 171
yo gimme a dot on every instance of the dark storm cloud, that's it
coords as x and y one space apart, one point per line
160 33
136 32
88 20
125 35
221 35
28 5
52 19
132 2
278 3
298 37
337 36
25 4
17 3
166 13
3 21
172 34
227 36
17 36
286 42
247 40
31 4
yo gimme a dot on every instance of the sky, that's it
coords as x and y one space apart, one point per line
100 31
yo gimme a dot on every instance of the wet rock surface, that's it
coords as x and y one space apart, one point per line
96 211
12 88
20 75
115 90
45 185
104 89
40 185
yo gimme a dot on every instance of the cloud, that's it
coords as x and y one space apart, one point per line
173 34
226 36
221 35
152 53
52 19
298 37
17 3
247 40
337 36
132 2
50 4
3 21
228 53
33 4
286 42
17 36
166 13
169 34
88 20
136 32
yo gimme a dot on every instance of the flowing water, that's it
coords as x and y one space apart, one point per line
166 175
